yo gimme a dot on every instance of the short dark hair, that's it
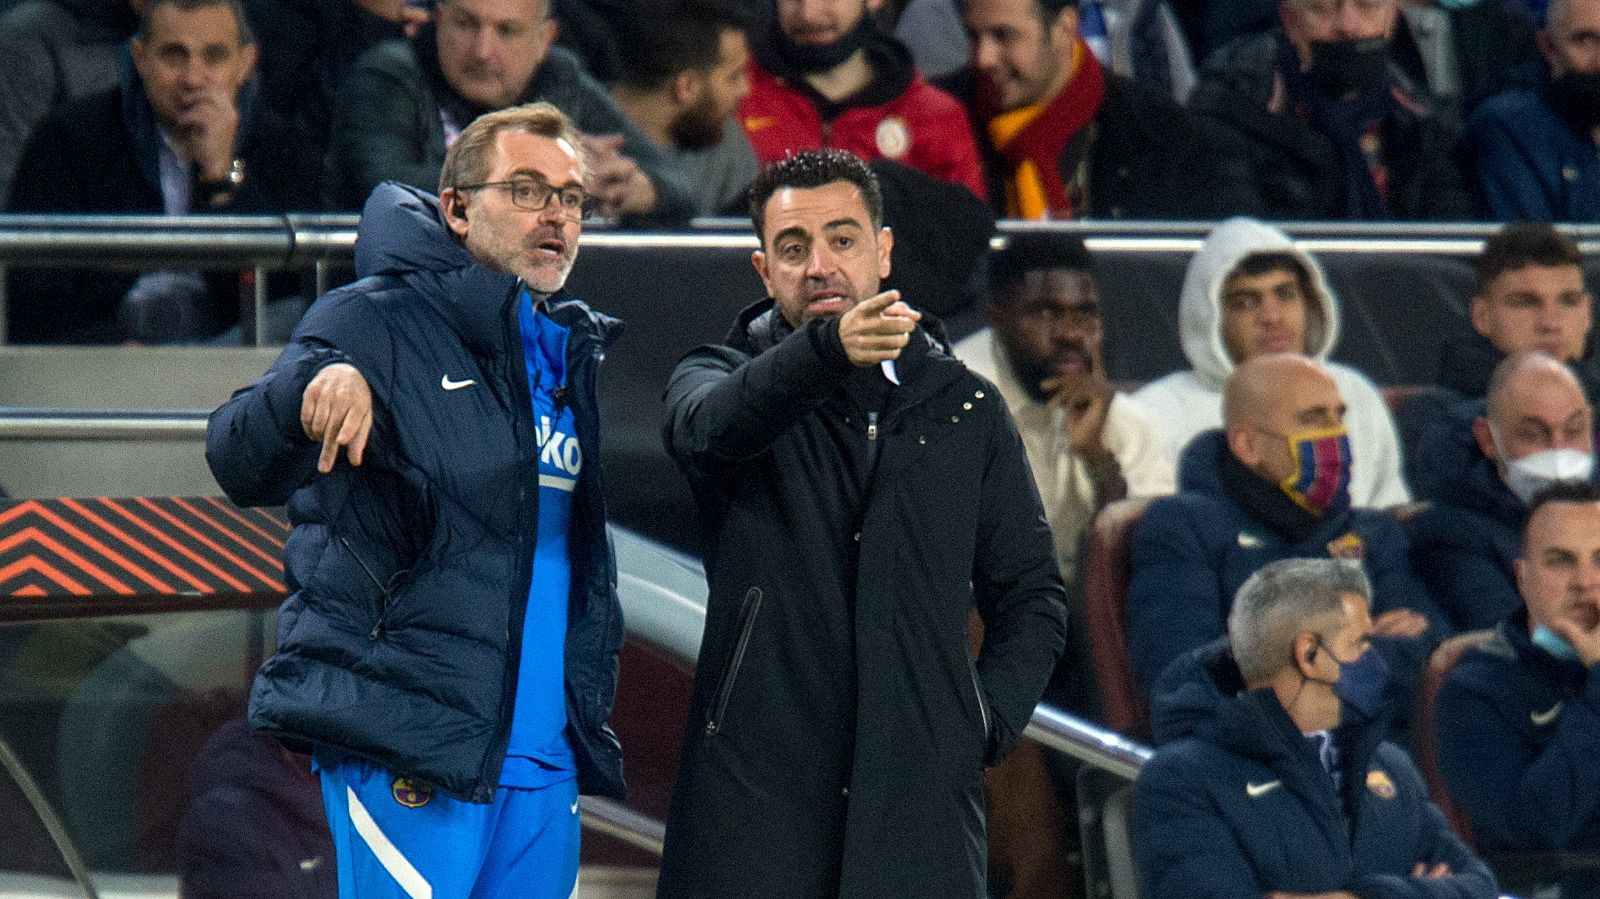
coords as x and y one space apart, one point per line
1049 9
671 37
1574 492
1033 251
246 35
1521 244
814 168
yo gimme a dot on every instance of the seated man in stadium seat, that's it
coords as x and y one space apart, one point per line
684 72
1330 125
1272 484
1531 296
1518 718
1087 443
406 101
1485 464
1063 137
181 133
1251 291
1277 781
827 76
1533 152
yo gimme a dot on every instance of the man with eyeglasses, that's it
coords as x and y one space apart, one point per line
1330 126
406 101
449 652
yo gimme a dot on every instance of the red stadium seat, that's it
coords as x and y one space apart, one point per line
1439 664
1105 585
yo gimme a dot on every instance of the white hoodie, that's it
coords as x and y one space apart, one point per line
1189 402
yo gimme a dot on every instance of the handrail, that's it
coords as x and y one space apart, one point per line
41 423
298 240
619 822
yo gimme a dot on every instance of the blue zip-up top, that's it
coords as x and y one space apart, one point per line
538 754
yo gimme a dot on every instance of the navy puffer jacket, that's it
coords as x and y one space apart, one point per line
409 574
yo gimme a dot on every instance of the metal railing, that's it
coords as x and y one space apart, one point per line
299 241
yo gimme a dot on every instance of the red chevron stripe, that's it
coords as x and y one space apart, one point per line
172 568
33 563
211 545
20 509
33 534
185 551
127 564
232 512
274 561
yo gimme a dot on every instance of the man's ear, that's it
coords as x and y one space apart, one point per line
1065 26
885 247
1242 443
1478 314
1485 439
455 212
758 259
1303 653
686 87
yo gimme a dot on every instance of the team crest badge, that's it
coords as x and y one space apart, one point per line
1379 783
1348 547
411 793
893 137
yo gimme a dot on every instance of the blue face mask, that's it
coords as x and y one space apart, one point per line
1551 642
1360 686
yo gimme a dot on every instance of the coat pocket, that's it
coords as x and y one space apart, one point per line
747 620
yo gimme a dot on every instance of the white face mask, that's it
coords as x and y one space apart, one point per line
1532 473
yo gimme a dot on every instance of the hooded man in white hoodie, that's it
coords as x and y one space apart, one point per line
1250 291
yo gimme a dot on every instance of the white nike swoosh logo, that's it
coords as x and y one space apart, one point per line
1248 541
448 384
1540 719
574 808
1255 790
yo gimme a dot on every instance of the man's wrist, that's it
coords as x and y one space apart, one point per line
213 189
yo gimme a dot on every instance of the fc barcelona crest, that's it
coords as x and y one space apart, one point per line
1349 547
411 793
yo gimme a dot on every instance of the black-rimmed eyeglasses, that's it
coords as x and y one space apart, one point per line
534 195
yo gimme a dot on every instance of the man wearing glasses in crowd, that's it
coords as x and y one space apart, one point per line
449 652
1331 127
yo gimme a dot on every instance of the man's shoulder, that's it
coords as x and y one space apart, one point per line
395 58
1244 70
1509 108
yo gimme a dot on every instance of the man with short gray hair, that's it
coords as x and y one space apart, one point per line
1275 778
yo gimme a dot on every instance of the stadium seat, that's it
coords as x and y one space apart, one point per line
1106 576
1443 659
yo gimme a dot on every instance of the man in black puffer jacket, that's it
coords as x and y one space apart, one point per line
449 650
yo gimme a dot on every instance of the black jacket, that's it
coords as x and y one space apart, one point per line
1151 159
98 154
838 731
1295 169
409 575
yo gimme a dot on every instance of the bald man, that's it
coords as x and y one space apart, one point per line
1272 483
1488 459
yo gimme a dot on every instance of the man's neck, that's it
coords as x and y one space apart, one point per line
844 80
649 110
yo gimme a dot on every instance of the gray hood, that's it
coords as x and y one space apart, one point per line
1200 306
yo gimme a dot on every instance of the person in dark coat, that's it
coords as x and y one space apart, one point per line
1518 718
171 138
860 492
1530 297
1273 484
1483 466
1330 127
451 640
254 827
1274 778
1532 151
1063 137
